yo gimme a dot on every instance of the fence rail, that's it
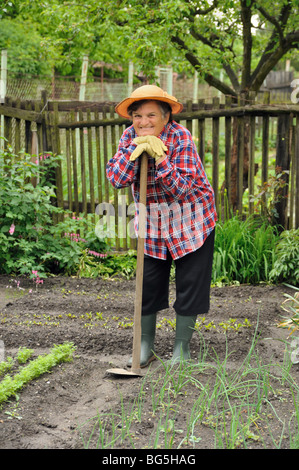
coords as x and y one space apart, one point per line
242 145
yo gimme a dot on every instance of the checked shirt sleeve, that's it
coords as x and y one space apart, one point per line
120 171
176 174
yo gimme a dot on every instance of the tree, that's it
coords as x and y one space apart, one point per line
68 30
246 38
26 55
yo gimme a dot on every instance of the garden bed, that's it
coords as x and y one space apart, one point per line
71 407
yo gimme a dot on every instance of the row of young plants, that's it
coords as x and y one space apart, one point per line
246 251
13 382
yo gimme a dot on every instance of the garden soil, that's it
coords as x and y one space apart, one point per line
59 409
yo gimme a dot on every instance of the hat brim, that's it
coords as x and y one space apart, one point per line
122 107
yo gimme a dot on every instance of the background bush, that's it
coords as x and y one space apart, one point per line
286 264
244 251
29 240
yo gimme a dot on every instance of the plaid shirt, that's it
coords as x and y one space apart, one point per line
180 200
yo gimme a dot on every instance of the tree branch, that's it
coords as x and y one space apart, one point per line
247 43
291 41
272 20
198 11
232 76
213 45
282 20
209 78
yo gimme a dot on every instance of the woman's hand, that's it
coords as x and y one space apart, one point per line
150 144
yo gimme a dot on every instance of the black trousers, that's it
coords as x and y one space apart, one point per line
193 280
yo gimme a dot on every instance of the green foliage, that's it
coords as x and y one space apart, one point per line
25 52
113 265
24 354
210 36
29 240
244 251
286 265
9 386
270 194
6 366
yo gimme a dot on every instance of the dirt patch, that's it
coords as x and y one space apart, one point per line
97 315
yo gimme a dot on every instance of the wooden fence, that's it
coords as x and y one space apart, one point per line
243 146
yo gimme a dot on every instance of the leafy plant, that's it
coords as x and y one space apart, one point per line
6 366
244 251
270 194
30 243
111 265
9 386
286 264
24 354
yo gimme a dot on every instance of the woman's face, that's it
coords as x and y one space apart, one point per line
148 119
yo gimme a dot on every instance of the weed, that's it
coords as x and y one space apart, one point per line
286 264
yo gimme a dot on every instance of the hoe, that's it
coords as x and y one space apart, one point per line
135 369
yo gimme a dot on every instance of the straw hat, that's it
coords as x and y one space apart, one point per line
148 92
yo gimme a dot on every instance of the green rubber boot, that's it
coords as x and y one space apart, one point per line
148 332
184 330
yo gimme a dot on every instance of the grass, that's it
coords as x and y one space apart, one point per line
239 407
244 251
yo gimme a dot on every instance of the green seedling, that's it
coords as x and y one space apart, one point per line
24 354
10 385
6 366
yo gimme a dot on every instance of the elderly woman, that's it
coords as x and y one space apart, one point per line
181 213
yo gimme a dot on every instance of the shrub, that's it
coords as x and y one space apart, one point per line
286 265
29 240
244 251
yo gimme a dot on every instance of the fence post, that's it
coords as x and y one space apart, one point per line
265 147
34 149
282 164
228 159
83 78
201 133
130 77
240 161
45 129
3 82
215 144
251 163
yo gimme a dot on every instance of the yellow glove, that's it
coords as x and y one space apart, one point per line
150 144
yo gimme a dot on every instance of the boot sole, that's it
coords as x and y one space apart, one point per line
142 366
